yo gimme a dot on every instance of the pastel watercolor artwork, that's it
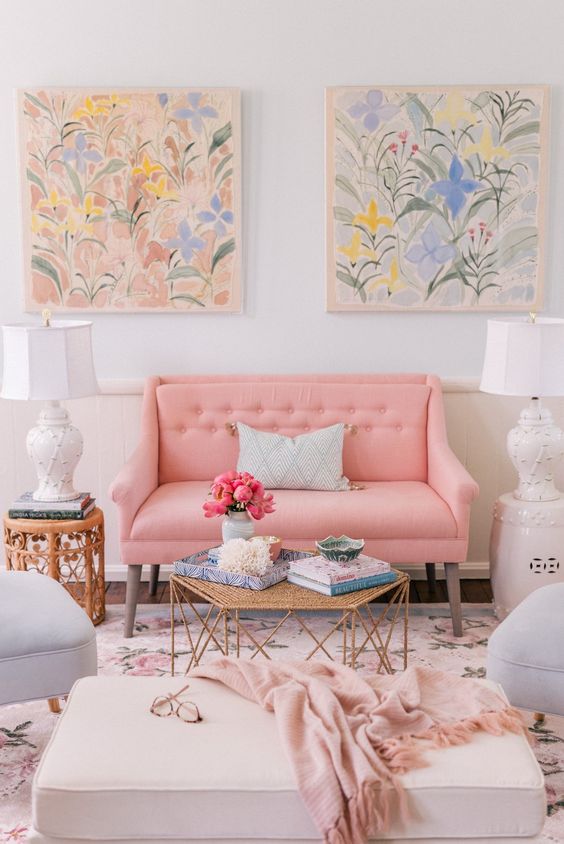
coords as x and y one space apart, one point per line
435 197
131 199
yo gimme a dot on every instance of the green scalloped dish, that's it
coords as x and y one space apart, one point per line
341 549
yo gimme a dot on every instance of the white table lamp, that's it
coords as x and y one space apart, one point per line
50 362
525 357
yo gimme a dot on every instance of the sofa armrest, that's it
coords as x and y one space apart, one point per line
448 477
136 480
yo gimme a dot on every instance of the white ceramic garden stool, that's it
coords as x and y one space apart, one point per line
526 549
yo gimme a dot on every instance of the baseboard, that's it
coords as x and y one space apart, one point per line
473 570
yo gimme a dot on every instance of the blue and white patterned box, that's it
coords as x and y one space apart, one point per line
202 567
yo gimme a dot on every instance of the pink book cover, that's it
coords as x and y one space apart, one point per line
326 571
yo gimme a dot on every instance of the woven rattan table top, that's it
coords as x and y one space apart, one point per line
282 596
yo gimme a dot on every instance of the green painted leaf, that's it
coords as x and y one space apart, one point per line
418 204
347 278
225 176
222 164
184 272
220 137
343 183
112 166
122 215
73 176
42 265
37 102
225 249
422 108
187 298
426 168
33 177
342 214
345 125
515 242
532 128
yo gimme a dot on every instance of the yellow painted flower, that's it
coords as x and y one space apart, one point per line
371 220
147 169
114 100
454 111
39 223
53 200
91 109
355 249
89 209
160 190
74 224
393 282
486 148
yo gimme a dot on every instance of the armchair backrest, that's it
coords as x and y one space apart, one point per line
391 415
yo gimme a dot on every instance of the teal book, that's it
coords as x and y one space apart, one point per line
342 588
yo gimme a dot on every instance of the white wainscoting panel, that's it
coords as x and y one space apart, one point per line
477 426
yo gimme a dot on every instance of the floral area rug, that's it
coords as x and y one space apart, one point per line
25 728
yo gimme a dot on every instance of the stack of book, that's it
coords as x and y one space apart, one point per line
332 578
26 507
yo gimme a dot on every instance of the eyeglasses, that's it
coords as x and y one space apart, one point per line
166 705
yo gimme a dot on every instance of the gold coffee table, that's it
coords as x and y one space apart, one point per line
359 624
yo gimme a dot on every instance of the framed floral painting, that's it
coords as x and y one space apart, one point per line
435 197
131 199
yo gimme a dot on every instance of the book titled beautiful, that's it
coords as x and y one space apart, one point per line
329 572
342 588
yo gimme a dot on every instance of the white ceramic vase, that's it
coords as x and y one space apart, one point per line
237 526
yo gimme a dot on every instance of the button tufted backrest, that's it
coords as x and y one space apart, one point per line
389 413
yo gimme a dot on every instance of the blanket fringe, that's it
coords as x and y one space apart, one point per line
404 753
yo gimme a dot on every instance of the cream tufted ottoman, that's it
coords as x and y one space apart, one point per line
113 772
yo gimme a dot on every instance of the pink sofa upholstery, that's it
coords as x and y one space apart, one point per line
414 507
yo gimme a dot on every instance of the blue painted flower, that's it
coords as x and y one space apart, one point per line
431 253
195 112
373 110
216 216
80 155
186 242
455 188
163 99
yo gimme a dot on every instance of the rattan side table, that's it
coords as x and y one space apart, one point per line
71 552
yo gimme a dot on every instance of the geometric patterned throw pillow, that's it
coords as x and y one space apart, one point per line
308 461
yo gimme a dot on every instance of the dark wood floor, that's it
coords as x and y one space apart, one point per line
473 592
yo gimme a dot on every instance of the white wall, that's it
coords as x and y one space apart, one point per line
281 54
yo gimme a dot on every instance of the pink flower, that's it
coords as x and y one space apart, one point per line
403 136
17 833
256 511
147 664
482 226
214 508
393 147
257 488
243 493
414 148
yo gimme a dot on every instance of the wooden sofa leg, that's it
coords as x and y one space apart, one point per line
431 576
54 705
453 589
131 594
154 580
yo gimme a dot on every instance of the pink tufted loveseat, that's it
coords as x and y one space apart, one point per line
414 507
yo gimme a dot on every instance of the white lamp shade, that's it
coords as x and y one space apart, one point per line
524 358
48 362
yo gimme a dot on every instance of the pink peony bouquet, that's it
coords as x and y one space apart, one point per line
238 491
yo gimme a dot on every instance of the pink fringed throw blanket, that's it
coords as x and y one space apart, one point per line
348 738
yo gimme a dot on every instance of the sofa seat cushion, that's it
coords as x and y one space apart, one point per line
114 771
382 510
